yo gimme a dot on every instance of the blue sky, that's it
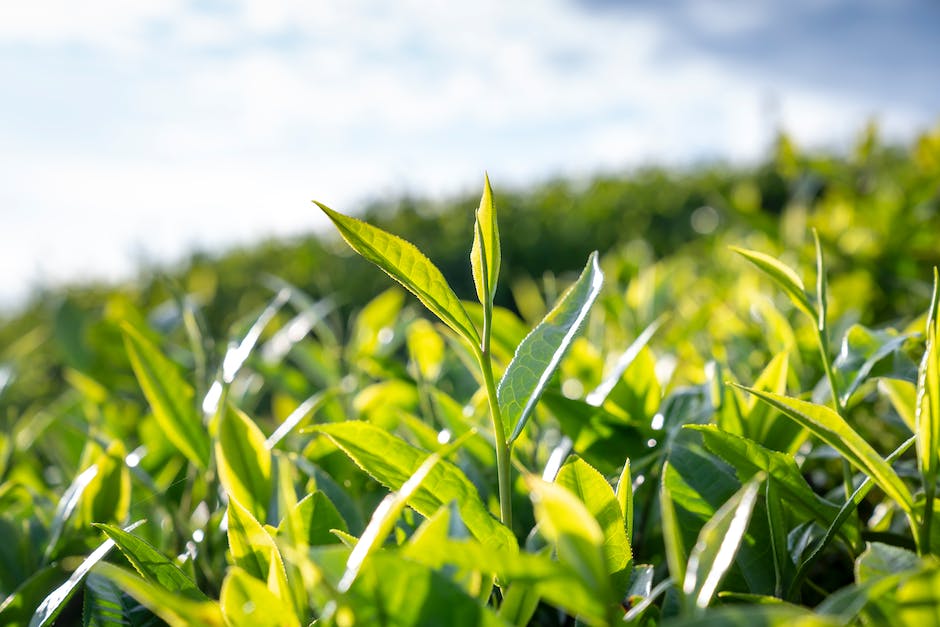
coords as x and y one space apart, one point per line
142 129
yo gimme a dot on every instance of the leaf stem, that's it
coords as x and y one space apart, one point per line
503 448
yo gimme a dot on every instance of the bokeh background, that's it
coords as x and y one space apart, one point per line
136 132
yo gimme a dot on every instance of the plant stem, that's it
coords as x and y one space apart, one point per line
503 449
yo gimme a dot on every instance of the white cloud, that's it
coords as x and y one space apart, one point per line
218 124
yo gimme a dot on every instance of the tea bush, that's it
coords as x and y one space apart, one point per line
723 419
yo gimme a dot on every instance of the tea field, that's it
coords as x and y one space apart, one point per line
673 397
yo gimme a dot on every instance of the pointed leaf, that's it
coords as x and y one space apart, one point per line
406 264
170 397
578 539
538 356
673 543
176 610
625 498
582 480
244 462
106 605
383 521
927 408
783 275
152 564
717 545
749 458
311 521
56 600
247 601
390 461
599 394
254 549
485 254
836 432
880 560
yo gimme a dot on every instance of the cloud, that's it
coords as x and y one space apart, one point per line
166 124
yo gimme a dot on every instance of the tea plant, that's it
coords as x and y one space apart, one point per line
607 462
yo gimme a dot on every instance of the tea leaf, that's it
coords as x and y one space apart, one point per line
582 480
403 262
176 610
783 275
152 564
717 545
485 253
247 601
834 431
170 397
540 353
390 461
673 544
625 498
927 412
52 605
749 458
254 549
244 462
106 605
311 521
576 535
383 520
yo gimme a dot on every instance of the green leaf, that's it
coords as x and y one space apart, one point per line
783 275
927 412
106 605
247 601
19 606
766 615
576 535
866 353
244 462
390 461
559 584
777 524
717 545
311 521
108 495
540 353
383 521
903 397
176 610
426 349
170 397
836 432
406 264
582 480
625 499
66 508
485 253
254 549
396 591
880 560
762 423
599 394
673 543
56 600
152 564
749 458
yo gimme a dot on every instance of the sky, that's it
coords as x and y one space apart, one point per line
142 130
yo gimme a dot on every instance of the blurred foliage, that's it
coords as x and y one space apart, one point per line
301 331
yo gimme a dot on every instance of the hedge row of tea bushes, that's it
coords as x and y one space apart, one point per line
281 435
